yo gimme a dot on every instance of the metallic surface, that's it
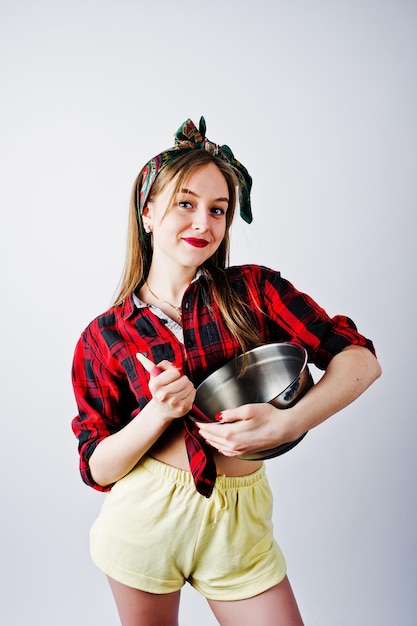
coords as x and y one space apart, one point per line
276 373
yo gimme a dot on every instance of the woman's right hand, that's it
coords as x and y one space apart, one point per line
172 392
172 397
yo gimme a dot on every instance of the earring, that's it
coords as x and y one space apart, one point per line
146 228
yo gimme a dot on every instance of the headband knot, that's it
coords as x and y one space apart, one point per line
187 138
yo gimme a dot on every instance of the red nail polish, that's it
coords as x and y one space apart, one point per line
219 417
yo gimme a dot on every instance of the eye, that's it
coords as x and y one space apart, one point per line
185 204
218 211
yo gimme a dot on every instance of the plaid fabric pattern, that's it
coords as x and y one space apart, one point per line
111 387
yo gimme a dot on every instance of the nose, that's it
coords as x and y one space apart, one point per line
201 220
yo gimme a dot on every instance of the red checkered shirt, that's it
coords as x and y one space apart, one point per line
111 386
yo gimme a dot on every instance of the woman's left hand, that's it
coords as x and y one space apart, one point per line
249 428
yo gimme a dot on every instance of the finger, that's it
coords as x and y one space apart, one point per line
217 440
223 449
167 377
166 365
228 416
175 391
208 430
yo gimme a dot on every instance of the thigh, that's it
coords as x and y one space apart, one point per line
140 608
237 557
275 607
143 537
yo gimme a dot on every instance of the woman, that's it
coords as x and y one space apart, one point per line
182 506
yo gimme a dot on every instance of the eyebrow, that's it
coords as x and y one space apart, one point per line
192 193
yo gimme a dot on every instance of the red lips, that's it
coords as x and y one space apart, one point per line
197 243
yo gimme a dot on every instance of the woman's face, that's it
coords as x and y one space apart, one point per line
190 229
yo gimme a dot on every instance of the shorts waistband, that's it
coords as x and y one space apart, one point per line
176 475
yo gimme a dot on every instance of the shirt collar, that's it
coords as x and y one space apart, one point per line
128 307
133 303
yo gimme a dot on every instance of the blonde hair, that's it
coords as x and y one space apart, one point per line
139 245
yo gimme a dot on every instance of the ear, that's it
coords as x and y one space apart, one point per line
146 219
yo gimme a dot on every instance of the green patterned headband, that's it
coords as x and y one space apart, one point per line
188 138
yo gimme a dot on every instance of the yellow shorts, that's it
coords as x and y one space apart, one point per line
155 532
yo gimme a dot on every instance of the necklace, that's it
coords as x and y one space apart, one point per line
177 308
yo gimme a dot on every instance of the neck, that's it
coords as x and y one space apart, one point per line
166 291
169 285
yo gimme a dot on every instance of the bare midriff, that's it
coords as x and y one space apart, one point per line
170 449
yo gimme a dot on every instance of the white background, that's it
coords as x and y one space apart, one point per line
318 100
